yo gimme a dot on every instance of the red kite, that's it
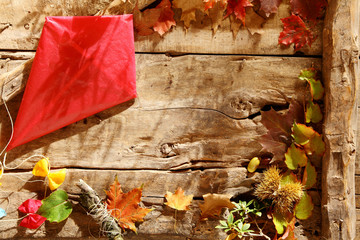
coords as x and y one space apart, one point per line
82 66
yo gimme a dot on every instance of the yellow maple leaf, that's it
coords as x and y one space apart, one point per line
178 200
41 168
213 204
56 178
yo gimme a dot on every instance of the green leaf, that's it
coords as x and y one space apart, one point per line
309 178
315 145
246 226
279 222
288 177
313 112
302 133
307 74
55 207
316 89
230 219
304 207
295 157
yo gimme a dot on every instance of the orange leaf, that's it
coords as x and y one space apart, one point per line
125 206
178 200
188 8
145 21
211 3
166 19
213 205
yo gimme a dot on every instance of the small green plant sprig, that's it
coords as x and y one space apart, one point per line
239 220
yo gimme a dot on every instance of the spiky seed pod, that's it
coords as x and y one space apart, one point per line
283 195
269 184
287 195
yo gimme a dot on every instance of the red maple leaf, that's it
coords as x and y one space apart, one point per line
269 6
295 31
238 8
125 206
308 9
166 19
210 3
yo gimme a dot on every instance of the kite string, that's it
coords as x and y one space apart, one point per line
3 164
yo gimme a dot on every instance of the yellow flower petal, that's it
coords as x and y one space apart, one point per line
41 168
56 179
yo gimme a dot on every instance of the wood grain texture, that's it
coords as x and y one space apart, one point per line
341 73
192 112
22 21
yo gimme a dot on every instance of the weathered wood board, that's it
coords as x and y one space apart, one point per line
194 123
22 22
341 79
218 126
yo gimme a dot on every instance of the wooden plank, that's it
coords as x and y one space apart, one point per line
340 68
80 226
190 113
22 22
155 184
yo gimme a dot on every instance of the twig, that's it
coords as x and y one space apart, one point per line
91 201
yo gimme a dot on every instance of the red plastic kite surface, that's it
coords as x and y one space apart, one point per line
82 66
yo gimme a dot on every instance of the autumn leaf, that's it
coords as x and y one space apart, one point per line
237 7
289 233
309 178
304 208
313 113
316 87
275 146
211 3
295 157
295 31
33 220
280 222
315 145
308 9
178 200
166 19
302 133
213 205
125 206
254 22
216 14
145 21
188 8
269 6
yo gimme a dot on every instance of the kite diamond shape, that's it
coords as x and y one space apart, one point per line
83 65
